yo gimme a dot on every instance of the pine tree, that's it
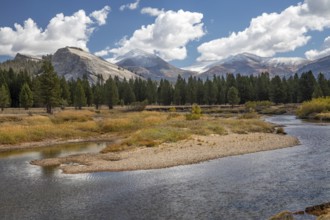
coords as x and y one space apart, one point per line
179 96
88 90
232 96
321 80
79 96
111 93
98 95
65 92
317 92
50 90
4 97
26 97
276 90
306 86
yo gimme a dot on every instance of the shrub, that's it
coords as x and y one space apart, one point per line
312 108
138 106
196 113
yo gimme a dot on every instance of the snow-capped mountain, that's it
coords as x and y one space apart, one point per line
250 64
321 65
150 66
73 63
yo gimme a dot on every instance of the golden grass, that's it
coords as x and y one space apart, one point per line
73 115
139 128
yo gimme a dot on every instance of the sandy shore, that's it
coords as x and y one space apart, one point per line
194 150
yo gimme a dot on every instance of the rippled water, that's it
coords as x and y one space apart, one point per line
253 186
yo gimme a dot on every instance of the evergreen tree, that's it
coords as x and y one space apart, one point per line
276 91
50 91
210 92
232 96
80 99
321 80
111 93
4 97
98 95
262 87
191 90
88 90
317 92
26 97
165 92
65 92
179 96
306 86
151 91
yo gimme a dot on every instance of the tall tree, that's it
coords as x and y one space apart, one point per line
111 93
80 99
232 96
4 97
179 96
98 95
276 90
306 86
26 97
321 80
65 92
50 90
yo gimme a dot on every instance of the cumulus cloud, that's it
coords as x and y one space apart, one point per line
101 15
152 11
316 54
272 33
61 31
167 37
131 6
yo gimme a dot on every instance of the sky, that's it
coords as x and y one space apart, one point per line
182 32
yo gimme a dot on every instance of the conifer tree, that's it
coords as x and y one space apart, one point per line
80 96
26 97
50 91
4 97
232 96
111 93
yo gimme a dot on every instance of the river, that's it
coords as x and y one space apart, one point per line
252 186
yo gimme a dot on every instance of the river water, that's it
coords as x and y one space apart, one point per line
252 186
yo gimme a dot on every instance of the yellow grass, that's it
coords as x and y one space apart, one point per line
139 128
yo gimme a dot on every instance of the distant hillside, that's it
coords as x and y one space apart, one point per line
23 62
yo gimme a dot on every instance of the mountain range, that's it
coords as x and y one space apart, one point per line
151 66
72 62
250 64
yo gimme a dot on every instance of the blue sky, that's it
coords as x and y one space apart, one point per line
182 32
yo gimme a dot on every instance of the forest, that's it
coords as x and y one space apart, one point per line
18 89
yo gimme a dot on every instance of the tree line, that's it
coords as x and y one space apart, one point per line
47 89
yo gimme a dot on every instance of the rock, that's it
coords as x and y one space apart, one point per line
285 215
324 217
74 63
318 210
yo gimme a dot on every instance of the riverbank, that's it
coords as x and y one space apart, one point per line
193 150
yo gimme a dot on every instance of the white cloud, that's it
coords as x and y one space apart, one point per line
316 54
272 33
167 37
131 6
152 11
61 31
101 15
